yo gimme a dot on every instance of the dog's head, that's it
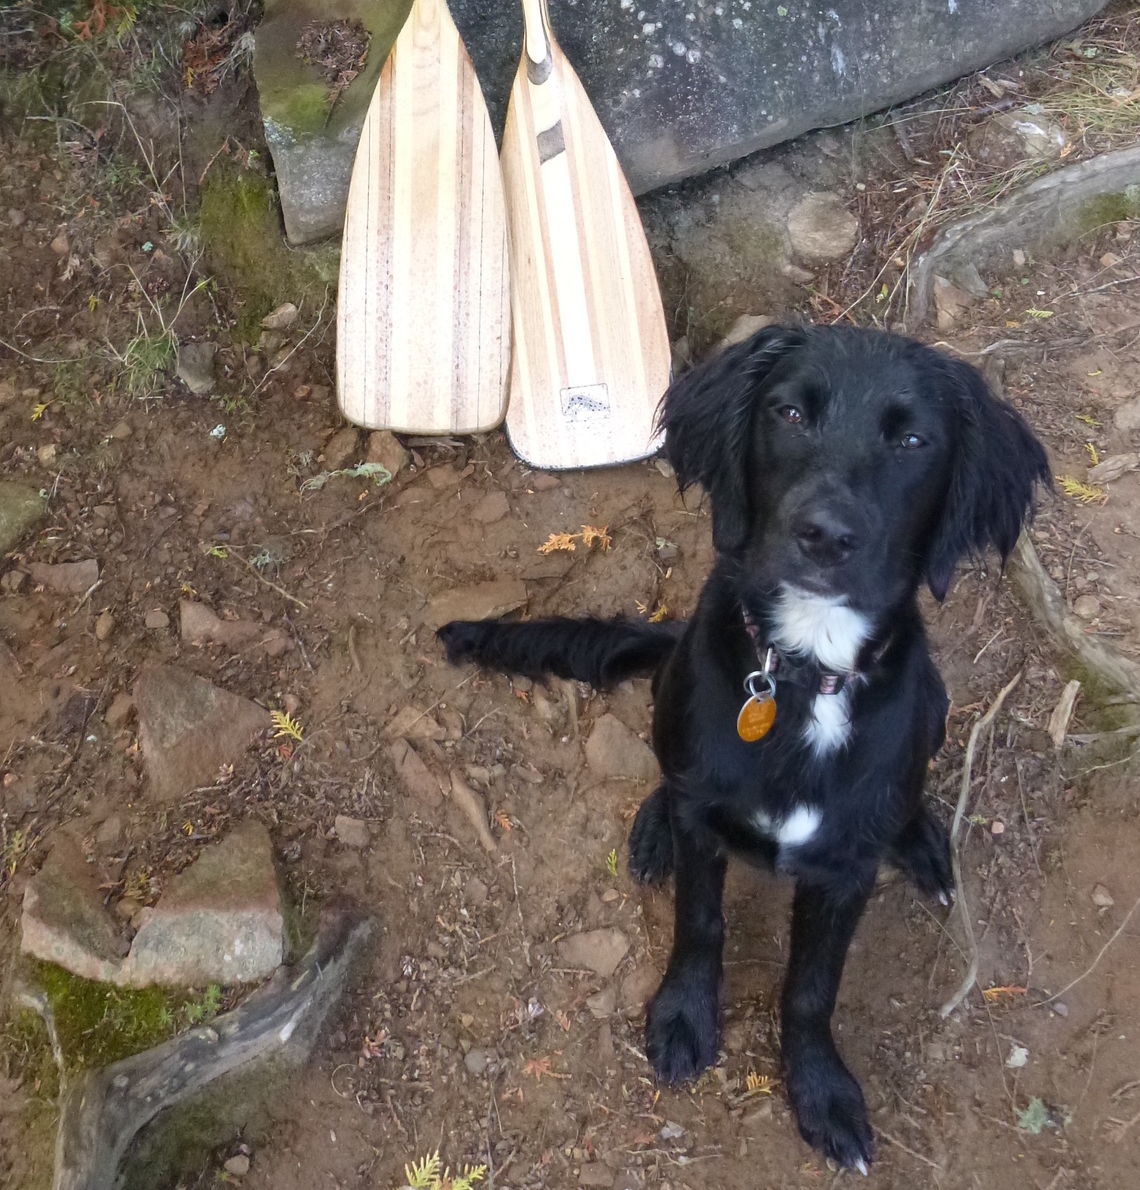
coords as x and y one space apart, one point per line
850 464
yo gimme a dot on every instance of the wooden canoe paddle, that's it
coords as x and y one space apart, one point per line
423 329
591 353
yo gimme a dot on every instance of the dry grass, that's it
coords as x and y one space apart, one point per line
1087 85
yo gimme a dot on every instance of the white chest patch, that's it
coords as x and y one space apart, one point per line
831 633
793 831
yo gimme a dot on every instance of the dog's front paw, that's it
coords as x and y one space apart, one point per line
680 1027
651 841
922 854
829 1108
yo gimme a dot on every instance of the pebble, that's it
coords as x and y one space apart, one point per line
599 951
238 1166
1086 607
157 619
61 244
1102 898
46 453
120 710
104 625
477 1060
821 228
601 1004
352 832
341 449
280 319
121 430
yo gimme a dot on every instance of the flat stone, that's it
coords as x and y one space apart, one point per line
120 710
950 301
64 921
479 601
384 448
477 1060
104 625
189 729
543 481
156 619
120 431
110 833
341 449
595 1173
200 625
414 775
638 986
410 723
220 920
676 96
46 453
66 578
21 509
599 951
614 751
1086 607
491 508
195 366
821 228
280 319
352 832
1102 898
745 327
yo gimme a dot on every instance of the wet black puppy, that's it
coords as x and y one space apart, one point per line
845 468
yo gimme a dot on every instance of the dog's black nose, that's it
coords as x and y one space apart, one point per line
825 536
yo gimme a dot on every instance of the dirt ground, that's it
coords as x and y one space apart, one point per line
462 1030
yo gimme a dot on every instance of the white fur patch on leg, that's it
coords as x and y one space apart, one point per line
799 826
830 722
820 627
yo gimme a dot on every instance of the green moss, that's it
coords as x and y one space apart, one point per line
305 109
1109 208
240 227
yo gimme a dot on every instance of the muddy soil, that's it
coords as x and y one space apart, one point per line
466 1030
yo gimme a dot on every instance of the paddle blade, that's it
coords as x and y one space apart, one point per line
591 353
423 331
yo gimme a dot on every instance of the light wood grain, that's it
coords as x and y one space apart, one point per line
591 353
423 324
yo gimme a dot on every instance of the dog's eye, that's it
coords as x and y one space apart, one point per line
791 414
911 441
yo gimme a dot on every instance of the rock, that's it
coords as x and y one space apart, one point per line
676 96
443 476
110 833
196 366
414 775
120 431
200 625
1127 416
219 921
744 328
21 509
66 578
280 319
46 453
1114 467
1102 898
477 1060
638 986
1086 607
821 228
384 448
119 711
614 751
352 832
476 891
491 508
595 1173
237 1167
104 625
8 393
64 920
156 619
1007 139
479 601
12 581
341 449
599 951
16 217
601 1004
950 302
61 245
189 729
410 723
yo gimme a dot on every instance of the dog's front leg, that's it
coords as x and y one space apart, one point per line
826 1098
681 1020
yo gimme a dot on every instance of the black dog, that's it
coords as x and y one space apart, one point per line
844 469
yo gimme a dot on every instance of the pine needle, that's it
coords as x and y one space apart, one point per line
1086 493
287 727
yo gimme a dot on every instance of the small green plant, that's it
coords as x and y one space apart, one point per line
425 1175
200 1012
612 862
374 471
147 358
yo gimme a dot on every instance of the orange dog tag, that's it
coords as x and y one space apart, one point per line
755 719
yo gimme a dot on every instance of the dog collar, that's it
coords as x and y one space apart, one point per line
769 657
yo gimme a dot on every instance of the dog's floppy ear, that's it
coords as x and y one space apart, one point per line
707 419
997 462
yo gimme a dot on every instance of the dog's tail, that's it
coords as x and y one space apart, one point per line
601 652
